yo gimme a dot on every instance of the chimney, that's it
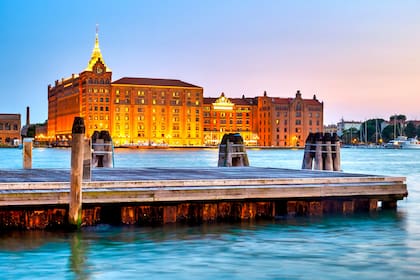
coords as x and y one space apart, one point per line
28 122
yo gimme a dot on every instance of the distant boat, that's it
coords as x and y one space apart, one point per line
402 142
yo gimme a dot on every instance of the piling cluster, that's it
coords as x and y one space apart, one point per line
322 152
232 151
102 149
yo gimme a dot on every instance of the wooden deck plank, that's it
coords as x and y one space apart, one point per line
145 185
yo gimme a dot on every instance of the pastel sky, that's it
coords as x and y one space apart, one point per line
361 57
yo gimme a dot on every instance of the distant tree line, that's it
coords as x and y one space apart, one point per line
374 131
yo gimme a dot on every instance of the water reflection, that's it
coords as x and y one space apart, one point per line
78 256
326 247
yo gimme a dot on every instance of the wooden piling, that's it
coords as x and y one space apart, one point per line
335 149
87 160
107 148
75 205
318 165
327 156
232 151
102 154
27 153
308 156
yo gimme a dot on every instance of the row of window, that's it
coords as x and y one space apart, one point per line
162 93
207 121
142 101
223 115
8 126
226 129
98 81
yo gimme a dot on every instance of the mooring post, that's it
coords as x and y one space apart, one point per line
77 154
87 160
335 147
328 162
307 156
232 151
27 153
318 151
107 160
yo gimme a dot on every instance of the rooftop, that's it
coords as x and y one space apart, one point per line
153 82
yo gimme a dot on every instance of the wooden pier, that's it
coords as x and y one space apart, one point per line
39 198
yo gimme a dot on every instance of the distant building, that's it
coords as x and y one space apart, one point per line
235 115
135 110
346 125
148 111
331 128
263 120
10 125
286 122
156 111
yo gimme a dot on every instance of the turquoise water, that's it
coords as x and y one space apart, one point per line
380 245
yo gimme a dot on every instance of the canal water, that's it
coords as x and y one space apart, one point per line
379 245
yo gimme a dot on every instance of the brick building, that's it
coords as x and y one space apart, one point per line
10 126
156 112
145 111
286 122
135 110
223 115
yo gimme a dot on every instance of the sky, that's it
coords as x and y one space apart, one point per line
360 57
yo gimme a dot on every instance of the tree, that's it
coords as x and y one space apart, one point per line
350 136
418 131
388 133
399 120
373 130
410 130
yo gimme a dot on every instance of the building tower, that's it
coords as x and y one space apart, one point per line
86 95
95 91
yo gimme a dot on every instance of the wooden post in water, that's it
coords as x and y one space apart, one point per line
232 151
27 153
328 162
318 152
307 156
87 160
107 160
102 155
77 147
335 149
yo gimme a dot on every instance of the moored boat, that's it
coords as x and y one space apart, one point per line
402 142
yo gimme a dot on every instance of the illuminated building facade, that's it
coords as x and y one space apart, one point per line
10 129
156 112
223 115
149 112
137 111
286 122
262 120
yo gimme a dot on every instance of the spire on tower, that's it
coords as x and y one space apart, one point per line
96 54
